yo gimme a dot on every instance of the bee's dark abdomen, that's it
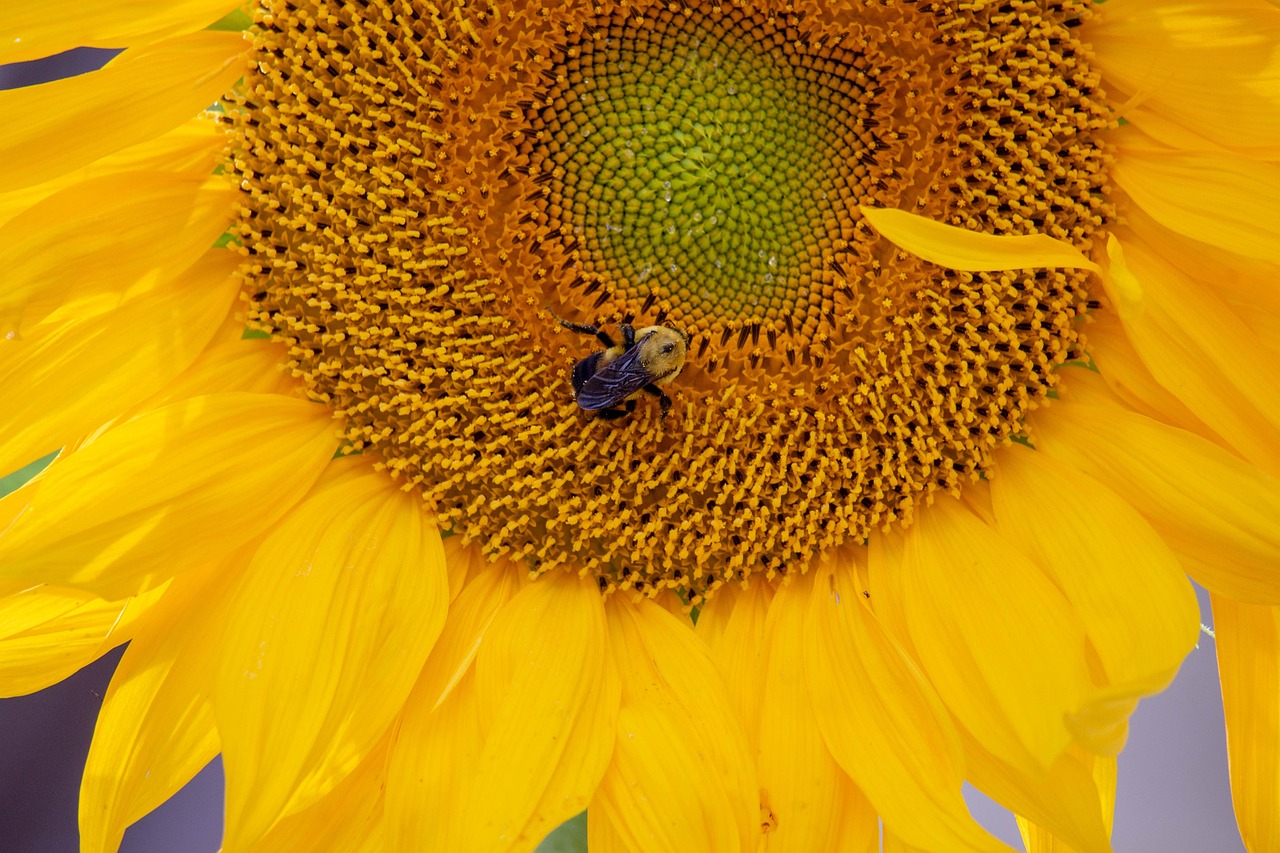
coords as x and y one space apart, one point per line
584 370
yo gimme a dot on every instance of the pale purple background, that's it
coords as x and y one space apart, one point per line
1173 792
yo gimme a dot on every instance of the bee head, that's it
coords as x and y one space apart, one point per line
663 350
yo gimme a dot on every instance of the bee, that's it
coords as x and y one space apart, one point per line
647 359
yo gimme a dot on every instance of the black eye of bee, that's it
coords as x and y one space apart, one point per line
667 349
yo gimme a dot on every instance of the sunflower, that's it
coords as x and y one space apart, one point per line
981 318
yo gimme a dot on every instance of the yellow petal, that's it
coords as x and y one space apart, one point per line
47 634
1128 588
732 626
1195 345
1128 377
1210 65
969 594
156 728
349 818
139 95
960 249
194 146
1216 512
30 32
330 626
67 382
602 837
681 777
462 562
252 365
811 804
547 705
1065 800
438 739
470 618
1218 198
168 490
105 236
881 719
1248 639
433 749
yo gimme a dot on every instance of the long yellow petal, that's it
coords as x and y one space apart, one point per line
547 704
156 728
64 384
433 749
732 626
681 777
195 145
438 739
105 236
349 818
255 366
1216 512
1129 378
32 31
1196 346
1248 639
139 95
329 627
1210 65
968 591
810 802
164 492
960 249
1064 800
881 719
1218 198
47 634
1136 603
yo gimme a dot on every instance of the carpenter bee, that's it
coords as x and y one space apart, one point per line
647 359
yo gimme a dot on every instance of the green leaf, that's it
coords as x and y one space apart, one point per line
14 481
568 837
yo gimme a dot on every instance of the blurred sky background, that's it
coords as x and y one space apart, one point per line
1173 793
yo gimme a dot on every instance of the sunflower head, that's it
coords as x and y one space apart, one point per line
416 220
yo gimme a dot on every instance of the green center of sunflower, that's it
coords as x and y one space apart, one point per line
426 193
706 162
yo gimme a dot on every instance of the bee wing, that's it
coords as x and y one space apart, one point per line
615 382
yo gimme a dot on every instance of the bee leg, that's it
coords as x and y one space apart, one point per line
615 413
628 336
664 402
588 329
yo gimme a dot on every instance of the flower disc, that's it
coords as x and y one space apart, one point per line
428 189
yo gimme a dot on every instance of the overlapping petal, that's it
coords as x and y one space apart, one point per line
1216 512
329 627
97 242
156 728
882 721
47 633
998 640
1209 68
164 492
1219 198
30 31
681 776
138 96
1104 557
64 382
1196 346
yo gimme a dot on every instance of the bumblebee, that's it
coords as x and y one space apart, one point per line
647 359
